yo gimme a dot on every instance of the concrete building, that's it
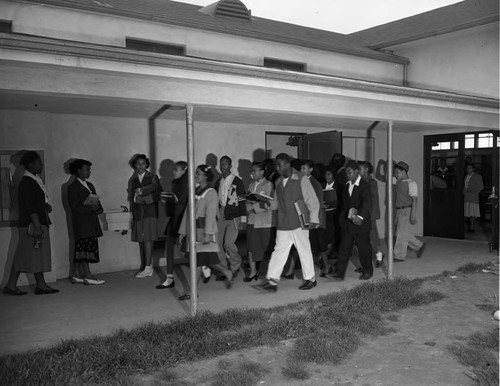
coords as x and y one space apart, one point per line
91 79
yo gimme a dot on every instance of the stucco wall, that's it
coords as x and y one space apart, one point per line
108 30
109 142
466 61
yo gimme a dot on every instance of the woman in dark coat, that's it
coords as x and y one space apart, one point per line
86 227
176 203
33 249
144 192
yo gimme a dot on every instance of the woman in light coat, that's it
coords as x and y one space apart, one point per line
472 187
206 209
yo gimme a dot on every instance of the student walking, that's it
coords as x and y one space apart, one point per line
406 213
260 223
366 173
317 237
292 190
232 211
178 199
205 211
355 223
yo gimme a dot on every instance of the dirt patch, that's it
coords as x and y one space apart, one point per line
415 354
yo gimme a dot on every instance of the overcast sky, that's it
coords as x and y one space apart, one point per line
344 16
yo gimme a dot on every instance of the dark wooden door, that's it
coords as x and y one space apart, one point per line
320 147
444 160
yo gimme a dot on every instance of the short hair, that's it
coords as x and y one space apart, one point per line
182 164
470 164
226 157
351 164
400 168
77 164
284 157
329 169
338 160
309 163
207 171
367 165
28 158
136 158
260 165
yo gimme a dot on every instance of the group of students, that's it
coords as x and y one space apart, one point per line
287 210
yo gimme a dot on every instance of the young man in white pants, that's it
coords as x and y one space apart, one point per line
291 187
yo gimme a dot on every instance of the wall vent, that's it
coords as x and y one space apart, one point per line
6 26
232 9
284 65
159 48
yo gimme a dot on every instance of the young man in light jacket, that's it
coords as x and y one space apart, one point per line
292 187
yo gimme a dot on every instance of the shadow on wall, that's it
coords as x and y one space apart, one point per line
212 161
18 174
166 174
244 171
69 217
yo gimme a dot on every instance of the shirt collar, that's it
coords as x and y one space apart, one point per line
356 183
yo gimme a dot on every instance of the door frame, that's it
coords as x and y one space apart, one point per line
428 140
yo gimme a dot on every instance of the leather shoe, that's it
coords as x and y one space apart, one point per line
289 277
358 270
93 281
365 276
334 276
379 263
420 252
163 286
308 284
266 287
250 278
220 278
229 283
48 291
11 292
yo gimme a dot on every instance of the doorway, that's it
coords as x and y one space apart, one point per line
446 157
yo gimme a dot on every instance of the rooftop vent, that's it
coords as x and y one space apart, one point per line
232 9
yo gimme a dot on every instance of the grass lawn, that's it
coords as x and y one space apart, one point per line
325 331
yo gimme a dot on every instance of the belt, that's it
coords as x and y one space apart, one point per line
403 207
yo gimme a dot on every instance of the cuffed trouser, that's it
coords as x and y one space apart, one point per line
284 241
404 238
228 233
362 241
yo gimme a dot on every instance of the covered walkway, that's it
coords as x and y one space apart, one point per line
125 302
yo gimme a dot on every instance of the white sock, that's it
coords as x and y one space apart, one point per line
379 256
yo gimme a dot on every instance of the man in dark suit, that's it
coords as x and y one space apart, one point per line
355 223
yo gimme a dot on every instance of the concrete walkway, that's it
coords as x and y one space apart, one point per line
125 302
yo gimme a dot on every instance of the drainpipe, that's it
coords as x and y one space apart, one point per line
405 74
152 136
390 203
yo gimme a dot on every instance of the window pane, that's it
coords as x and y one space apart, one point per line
485 140
455 145
442 146
469 141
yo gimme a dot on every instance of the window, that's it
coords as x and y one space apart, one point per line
441 146
159 48
484 140
11 173
469 141
6 26
284 65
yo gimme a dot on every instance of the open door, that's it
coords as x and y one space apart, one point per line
319 147
443 184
